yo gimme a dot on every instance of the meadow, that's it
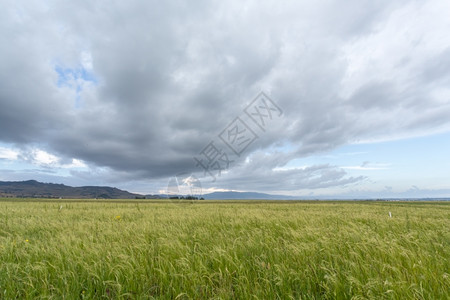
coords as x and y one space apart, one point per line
56 249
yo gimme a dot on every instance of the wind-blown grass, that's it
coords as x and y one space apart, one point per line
226 250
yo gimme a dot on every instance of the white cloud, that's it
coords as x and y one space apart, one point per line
86 60
43 158
76 163
366 168
9 154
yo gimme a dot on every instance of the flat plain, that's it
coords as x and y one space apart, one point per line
121 249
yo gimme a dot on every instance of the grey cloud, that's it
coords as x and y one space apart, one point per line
312 177
376 95
264 171
437 69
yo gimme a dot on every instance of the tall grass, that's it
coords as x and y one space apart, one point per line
323 250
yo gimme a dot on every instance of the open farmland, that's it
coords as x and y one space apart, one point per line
224 250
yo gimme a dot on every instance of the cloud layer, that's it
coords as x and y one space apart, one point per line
140 88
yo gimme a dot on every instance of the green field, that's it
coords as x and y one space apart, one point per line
224 250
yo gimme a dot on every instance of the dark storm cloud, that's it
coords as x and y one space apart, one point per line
168 77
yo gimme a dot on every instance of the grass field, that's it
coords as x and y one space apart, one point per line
224 250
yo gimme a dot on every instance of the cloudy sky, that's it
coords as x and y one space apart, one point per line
355 103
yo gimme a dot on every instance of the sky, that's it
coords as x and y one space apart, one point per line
301 98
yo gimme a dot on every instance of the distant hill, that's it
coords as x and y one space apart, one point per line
246 195
262 196
36 189
33 188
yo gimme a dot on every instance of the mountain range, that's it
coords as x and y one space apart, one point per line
232 195
35 189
